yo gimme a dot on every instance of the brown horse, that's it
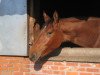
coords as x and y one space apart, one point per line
85 33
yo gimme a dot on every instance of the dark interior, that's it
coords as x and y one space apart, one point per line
66 8
69 8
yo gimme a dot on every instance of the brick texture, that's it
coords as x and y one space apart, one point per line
23 66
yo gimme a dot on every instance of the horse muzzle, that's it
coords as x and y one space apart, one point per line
33 57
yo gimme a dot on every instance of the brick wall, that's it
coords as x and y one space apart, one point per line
23 66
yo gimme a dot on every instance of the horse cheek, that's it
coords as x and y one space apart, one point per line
59 41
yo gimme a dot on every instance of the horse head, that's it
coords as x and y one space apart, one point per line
49 38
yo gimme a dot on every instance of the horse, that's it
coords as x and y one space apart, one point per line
85 33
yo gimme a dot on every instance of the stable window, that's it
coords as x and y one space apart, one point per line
78 9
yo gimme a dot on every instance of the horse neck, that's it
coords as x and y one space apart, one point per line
68 27
78 31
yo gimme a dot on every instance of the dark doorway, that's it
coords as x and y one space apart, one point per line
69 8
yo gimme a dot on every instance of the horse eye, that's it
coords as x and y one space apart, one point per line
49 33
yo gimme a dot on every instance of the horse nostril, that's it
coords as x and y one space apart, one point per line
33 57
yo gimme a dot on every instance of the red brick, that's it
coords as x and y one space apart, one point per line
18 73
10 65
17 66
62 68
15 61
0 67
81 69
4 61
54 67
5 68
59 63
71 64
21 66
27 74
6 73
26 66
98 65
0 72
48 63
25 70
85 65
47 71
85 73
46 67
72 73
97 74
27 61
38 74
10 68
92 70
56 72
59 72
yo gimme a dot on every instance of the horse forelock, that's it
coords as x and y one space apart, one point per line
45 25
48 22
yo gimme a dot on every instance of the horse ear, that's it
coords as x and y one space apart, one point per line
56 19
46 17
55 16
